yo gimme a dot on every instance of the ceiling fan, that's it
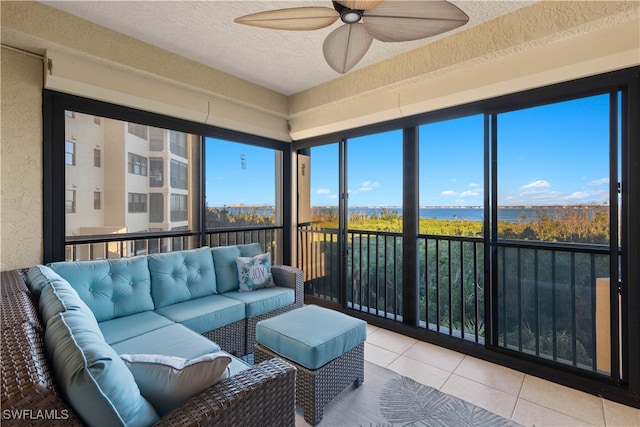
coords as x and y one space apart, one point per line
364 20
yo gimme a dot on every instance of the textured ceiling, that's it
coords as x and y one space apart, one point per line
287 62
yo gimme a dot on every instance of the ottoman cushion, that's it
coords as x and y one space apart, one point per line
311 336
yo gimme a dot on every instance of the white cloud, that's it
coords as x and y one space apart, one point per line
470 193
541 183
332 197
454 180
323 191
473 185
368 185
599 182
448 193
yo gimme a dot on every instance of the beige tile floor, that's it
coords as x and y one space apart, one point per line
525 399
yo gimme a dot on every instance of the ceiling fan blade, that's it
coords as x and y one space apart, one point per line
296 18
399 21
361 4
346 46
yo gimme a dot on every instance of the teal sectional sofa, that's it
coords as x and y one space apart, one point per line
101 317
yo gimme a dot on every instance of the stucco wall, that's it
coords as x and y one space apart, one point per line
20 161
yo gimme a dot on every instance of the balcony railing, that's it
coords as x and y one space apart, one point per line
93 247
544 299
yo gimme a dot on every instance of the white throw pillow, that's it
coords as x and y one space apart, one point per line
168 381
254 272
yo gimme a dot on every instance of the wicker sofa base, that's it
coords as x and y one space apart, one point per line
231 338
316 388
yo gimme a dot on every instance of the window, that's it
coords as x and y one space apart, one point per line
179 207
156 207
70 201
156 139
242 191
137 164
137 130
70 153
97 200
97 158
96 120
156 172
179 177
178 143
137 203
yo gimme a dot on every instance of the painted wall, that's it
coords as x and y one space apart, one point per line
20 161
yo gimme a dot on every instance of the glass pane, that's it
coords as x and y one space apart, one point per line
318 236
553 172
452 177
374 237
450 247
127 193
243 190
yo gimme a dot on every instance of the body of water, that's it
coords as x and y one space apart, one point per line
510 214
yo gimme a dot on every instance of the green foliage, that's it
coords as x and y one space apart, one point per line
225 217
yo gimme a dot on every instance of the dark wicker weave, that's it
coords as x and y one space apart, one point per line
283 275
315 388
263 395
232 338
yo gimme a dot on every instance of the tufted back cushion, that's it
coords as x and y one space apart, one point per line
111 288
224 258
181 276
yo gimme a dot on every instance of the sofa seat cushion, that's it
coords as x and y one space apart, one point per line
265 300
59 296
224 258
181 276
206 313
168 382
173 340
111 288
123 328
92 376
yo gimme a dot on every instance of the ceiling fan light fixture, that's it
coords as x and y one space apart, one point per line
351 16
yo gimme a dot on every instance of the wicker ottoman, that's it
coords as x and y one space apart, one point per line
326 346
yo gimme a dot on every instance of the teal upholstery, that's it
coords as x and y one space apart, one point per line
181 276
111 288
206 313
38 277
92 376
264 300
173 340
60 296
123 328
311 336
250 249
224 258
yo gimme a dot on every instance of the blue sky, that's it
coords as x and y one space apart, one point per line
551 155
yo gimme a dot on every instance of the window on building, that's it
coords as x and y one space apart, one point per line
179 207
97 200
137 164
156 172
70 201
70 153
137 130
96 120
156 207
178 141
137 203
97 158
179 175
156 139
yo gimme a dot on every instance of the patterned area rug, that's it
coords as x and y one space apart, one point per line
389 399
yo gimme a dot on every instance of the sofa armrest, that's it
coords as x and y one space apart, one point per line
263 395
291 277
